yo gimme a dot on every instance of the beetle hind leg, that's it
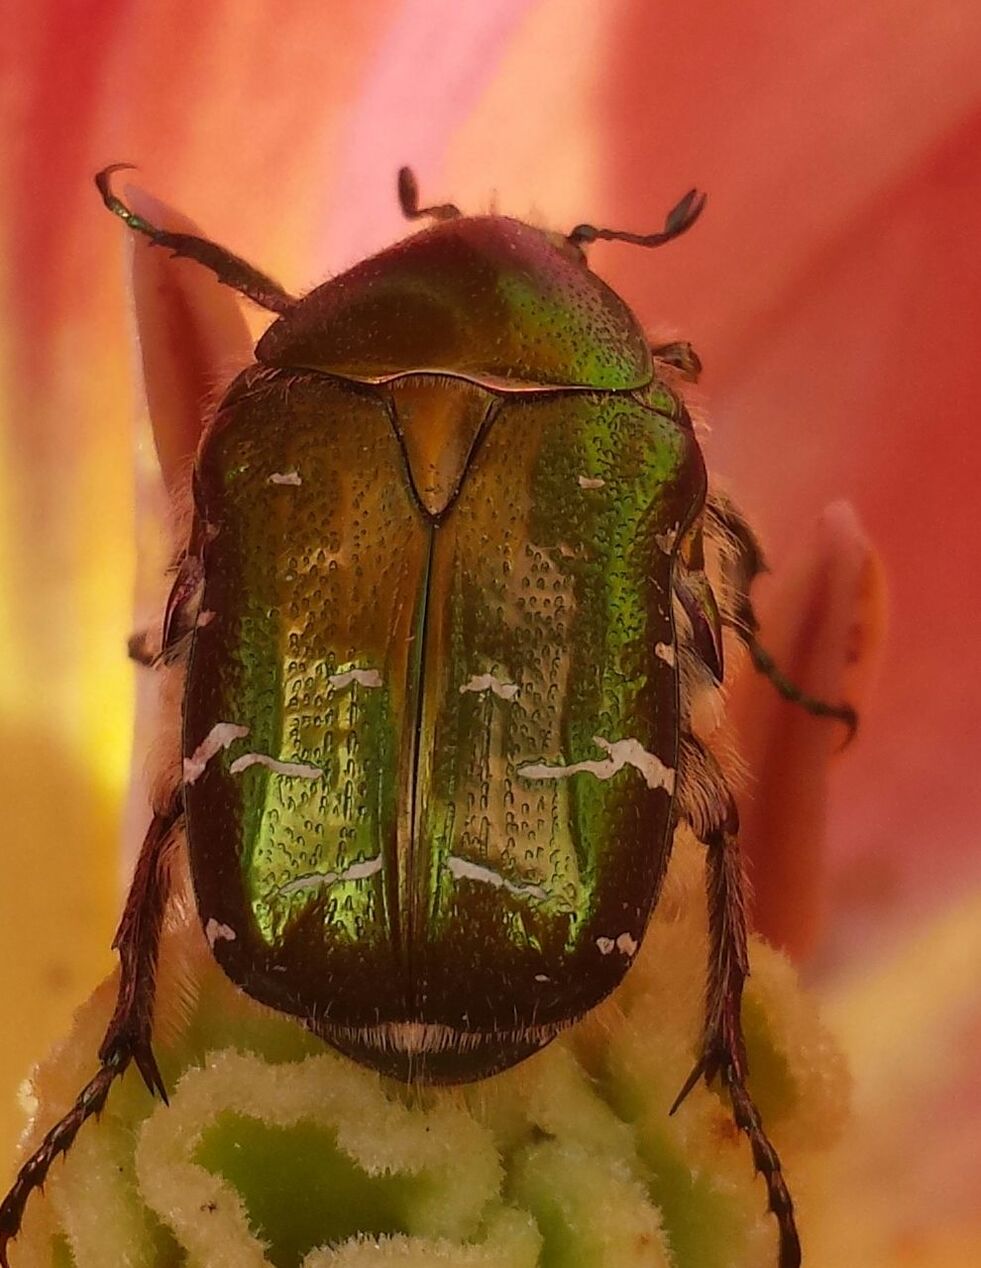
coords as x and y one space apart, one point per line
127 1037
724 1050
138 942
706 800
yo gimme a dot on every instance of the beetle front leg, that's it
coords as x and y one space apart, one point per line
229 269
128 1035
723 1052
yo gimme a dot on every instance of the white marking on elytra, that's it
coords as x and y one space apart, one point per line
359 871
466 869
487 682
363 677
298 769
605 945
591 482
219 737
665 651
285 477
205 617
542 977
667 539
627 944
621 753
214 931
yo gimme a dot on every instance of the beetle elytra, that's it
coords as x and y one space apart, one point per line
441 617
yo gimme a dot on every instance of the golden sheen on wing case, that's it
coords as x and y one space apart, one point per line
442 615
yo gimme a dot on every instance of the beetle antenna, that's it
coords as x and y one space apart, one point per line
229 269
409 200
680 218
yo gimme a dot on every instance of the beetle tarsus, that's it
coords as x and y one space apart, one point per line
744 567
127 1037
58 1141
231 270
765 664
766 1161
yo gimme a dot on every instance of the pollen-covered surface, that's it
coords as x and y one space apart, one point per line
458 771
484 297
276 1152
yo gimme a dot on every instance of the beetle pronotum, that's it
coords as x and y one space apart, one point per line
441 616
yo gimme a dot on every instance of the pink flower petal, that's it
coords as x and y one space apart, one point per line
823 626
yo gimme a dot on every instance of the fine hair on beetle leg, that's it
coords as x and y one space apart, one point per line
702 697
705 800
739 560
128 1035
707 765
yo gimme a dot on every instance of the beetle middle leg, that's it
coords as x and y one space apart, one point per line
705 799
140 648
681 356
742 562
127 1037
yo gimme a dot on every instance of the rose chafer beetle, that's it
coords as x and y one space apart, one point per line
442 615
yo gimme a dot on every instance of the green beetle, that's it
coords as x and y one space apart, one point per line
444 608
428 525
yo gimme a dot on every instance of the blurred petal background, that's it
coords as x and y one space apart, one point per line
832 289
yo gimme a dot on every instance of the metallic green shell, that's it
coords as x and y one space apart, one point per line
429 756
485 297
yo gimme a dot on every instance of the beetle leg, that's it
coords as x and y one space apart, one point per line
183 608
139 648
138 942
180 617
706 801
680 218
765 664
229 269
742 562
682 357
128 1034
408 191
725 1049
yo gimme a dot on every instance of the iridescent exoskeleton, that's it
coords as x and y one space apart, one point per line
442 614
